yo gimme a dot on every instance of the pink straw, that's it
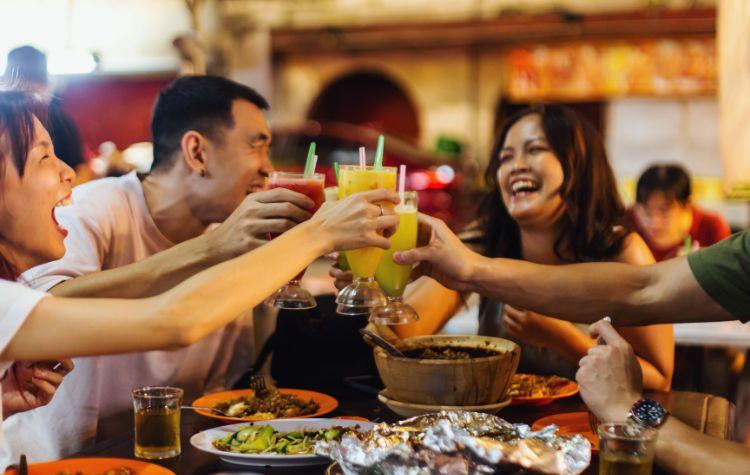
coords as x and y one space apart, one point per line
401 182
362 158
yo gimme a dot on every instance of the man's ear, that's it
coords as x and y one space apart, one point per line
193 148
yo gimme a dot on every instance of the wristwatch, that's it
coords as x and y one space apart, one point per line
648 413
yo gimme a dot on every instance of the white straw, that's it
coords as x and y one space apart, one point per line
401 182
312 168
362 158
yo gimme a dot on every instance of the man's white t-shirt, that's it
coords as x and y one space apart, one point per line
109 226
16 303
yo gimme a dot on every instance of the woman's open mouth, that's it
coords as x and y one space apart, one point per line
523 187
63 202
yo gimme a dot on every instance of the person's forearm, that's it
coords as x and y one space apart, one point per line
682 449
571 344
61 327
631 295
145 278
434 304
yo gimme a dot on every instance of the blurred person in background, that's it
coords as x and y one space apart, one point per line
665 216
138 235
553 200
26 69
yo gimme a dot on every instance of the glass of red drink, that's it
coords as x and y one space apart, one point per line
293 296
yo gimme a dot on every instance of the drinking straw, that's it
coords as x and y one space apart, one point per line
308 163
312 167
401 182
336 170
379 152
362 158
688 244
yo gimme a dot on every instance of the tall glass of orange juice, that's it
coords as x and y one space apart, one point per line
364 293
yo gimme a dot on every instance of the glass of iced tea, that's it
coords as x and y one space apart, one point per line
157 422
626 449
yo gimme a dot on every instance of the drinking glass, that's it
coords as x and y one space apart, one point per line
393 277
293 296
157 422
626 449
364 294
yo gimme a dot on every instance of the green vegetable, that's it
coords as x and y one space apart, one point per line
263 439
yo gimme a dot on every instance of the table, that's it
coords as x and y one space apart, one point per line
732 333
690 407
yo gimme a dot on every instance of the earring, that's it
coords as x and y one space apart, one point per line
203 173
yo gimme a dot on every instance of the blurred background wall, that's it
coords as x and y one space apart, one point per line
439 74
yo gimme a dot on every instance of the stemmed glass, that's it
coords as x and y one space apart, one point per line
364 294
393 277
293 296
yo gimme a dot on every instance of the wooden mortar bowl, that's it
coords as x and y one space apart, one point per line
464 382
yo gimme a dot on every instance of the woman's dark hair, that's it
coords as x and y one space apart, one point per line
17 112
593 221
672 180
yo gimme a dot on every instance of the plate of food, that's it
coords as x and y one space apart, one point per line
94 466
537 390
245 405
278 443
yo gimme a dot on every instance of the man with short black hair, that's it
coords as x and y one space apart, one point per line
135 236
666 217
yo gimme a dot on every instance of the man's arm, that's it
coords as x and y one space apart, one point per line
145 278
682 449
261 214
632 295
610 378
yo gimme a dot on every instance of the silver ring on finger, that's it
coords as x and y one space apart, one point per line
381 210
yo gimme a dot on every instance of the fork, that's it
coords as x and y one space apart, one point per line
258 384
207 409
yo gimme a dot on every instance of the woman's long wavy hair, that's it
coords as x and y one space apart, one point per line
593 221
17 112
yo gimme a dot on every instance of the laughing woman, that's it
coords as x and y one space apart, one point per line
38 327
554 201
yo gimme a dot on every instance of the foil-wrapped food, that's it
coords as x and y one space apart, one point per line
458 442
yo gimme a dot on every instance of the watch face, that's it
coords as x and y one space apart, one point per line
649 412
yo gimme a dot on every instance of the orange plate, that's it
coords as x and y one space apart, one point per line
93 465
326 402
570 423
569 389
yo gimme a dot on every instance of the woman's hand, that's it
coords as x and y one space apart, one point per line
341 278
357 221
532 328
29 385
445 258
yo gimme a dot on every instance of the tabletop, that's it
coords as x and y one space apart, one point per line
362 402
731 333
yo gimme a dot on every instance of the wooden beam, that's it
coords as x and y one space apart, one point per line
507 29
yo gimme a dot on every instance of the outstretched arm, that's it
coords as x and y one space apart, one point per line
272 211
632 295
60 327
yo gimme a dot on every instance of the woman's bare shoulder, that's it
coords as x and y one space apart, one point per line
634 251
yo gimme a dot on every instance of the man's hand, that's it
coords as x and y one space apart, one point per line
609 377
29 385
256 218
444 258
